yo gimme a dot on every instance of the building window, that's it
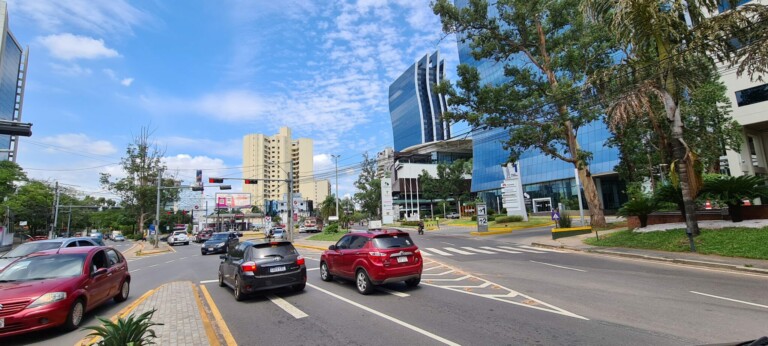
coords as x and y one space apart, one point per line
752 95
725 5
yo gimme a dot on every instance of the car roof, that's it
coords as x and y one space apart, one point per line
56 240
71 250
260 241
374 232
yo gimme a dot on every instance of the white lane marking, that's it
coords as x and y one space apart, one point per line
541 249
729 299
439 252
311 258
554 265
170 261
519 249
499 250
447 243
443 273
684 266
432 268
154 265
394 293
311 269
183 258
208 281
477 250
424 253
456 279
135 270
387 317
461 252
294 311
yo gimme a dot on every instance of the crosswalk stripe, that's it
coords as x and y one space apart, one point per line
540 249
424 253
477 250
439 252
519 249
462 252
499 250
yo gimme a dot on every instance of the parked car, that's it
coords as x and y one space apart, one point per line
374 257
42 245
57 287
203 236
119 237
178 237
218 243
257 265
453 216
97 237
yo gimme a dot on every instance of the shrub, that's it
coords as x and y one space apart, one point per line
474 218
491 218
564 221
491 212
640 206
409 223
732 190
505 219
333 227
129 331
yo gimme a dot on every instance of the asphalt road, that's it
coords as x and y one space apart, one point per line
501 297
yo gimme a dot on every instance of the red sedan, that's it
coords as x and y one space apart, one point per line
57 287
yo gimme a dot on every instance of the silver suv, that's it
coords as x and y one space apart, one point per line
178 237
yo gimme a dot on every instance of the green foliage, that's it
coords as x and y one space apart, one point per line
327 236
368 187
409 223
732 190
135 331
474 218
638 206
10 174
331 228
512 218
32 203
564 221
450 181
491 218
328 207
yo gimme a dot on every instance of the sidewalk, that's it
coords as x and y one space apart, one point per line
179 308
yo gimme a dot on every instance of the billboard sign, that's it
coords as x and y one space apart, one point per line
387 212
233 200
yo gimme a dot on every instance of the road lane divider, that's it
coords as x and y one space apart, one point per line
387 317
730 299
208 281
500 250
290 309
213 340
311 269
461 252
392 292
220 323
563 267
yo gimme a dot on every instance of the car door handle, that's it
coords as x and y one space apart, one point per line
357 253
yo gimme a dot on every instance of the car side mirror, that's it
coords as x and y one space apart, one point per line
223 257
332 247
99 272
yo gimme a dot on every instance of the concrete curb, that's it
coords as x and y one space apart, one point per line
310 247
694 263
152 252
509 230
128 253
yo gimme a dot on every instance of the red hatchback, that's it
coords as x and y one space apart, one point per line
375 257
56 287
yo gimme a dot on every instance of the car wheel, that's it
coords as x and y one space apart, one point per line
299 287
413 282
125 289
75 316
202 253
186 243
239 296
221 280
363 283
324 274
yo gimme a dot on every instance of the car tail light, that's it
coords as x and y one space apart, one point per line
377 254
249 267
300 261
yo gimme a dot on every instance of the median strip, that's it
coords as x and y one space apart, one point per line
222 325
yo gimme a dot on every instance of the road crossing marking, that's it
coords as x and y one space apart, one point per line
454 279
433 268
499 250
461 252
311 269
477 250
541 249
424 253
729 299
443 273
170 261
294 311
208 281
554 265
135 270
439 252
392 292
519 249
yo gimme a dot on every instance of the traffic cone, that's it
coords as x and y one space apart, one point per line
708 205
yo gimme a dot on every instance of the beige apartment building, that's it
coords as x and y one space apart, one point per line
272 157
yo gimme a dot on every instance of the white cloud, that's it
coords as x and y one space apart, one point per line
71 70
184 166
110 73
80 143
323 162
126 81
69 47
98 16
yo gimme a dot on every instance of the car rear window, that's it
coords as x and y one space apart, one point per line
219 236
272 250
392 241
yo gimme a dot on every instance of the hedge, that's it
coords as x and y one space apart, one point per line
409 223
505 219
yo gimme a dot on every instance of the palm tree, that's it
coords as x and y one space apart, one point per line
667 43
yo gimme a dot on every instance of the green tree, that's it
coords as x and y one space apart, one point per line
10 175
547 49
32 203
450 182
328 207
667 46
368 193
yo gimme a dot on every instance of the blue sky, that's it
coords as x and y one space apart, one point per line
202 74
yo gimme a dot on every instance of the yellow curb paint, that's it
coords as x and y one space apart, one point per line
131 248
120 314
311 247
212 339
228 338
572 229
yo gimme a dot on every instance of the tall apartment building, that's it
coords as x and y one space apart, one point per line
415 108
385 159
272 157
13 67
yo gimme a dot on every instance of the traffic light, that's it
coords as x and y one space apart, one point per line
197 188
216 180
251 181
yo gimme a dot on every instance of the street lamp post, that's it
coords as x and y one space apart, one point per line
336 158
157 209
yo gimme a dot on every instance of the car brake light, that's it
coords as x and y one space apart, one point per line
273 243
300 261
377 254
417 251
249 267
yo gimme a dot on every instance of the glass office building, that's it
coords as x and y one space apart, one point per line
415 108
13 62
548 181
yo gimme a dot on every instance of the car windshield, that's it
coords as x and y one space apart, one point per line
44 267
220 236
274 250
394 241
28 248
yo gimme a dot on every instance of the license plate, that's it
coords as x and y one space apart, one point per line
2 322
402 259
210 249
277 269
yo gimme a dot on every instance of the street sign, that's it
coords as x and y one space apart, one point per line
481 210
267 219
482 220
197 207
555 215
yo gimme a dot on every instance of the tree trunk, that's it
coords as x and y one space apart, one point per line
596 214
680 152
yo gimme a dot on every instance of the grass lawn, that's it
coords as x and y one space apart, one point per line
731 242
328 236
533 221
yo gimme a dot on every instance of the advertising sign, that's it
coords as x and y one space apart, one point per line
387 212
482 218
233 200
512 191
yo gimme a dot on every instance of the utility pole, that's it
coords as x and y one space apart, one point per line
55 211
290 202
157 210
336 158
69 221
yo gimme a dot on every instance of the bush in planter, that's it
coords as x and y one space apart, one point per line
474 218
409 223
505 219
732 190
640 206
491 218
333 227
564 221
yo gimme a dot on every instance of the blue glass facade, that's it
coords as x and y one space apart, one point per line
416 110
540 173
9 76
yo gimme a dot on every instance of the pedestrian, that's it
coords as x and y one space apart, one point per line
421 227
